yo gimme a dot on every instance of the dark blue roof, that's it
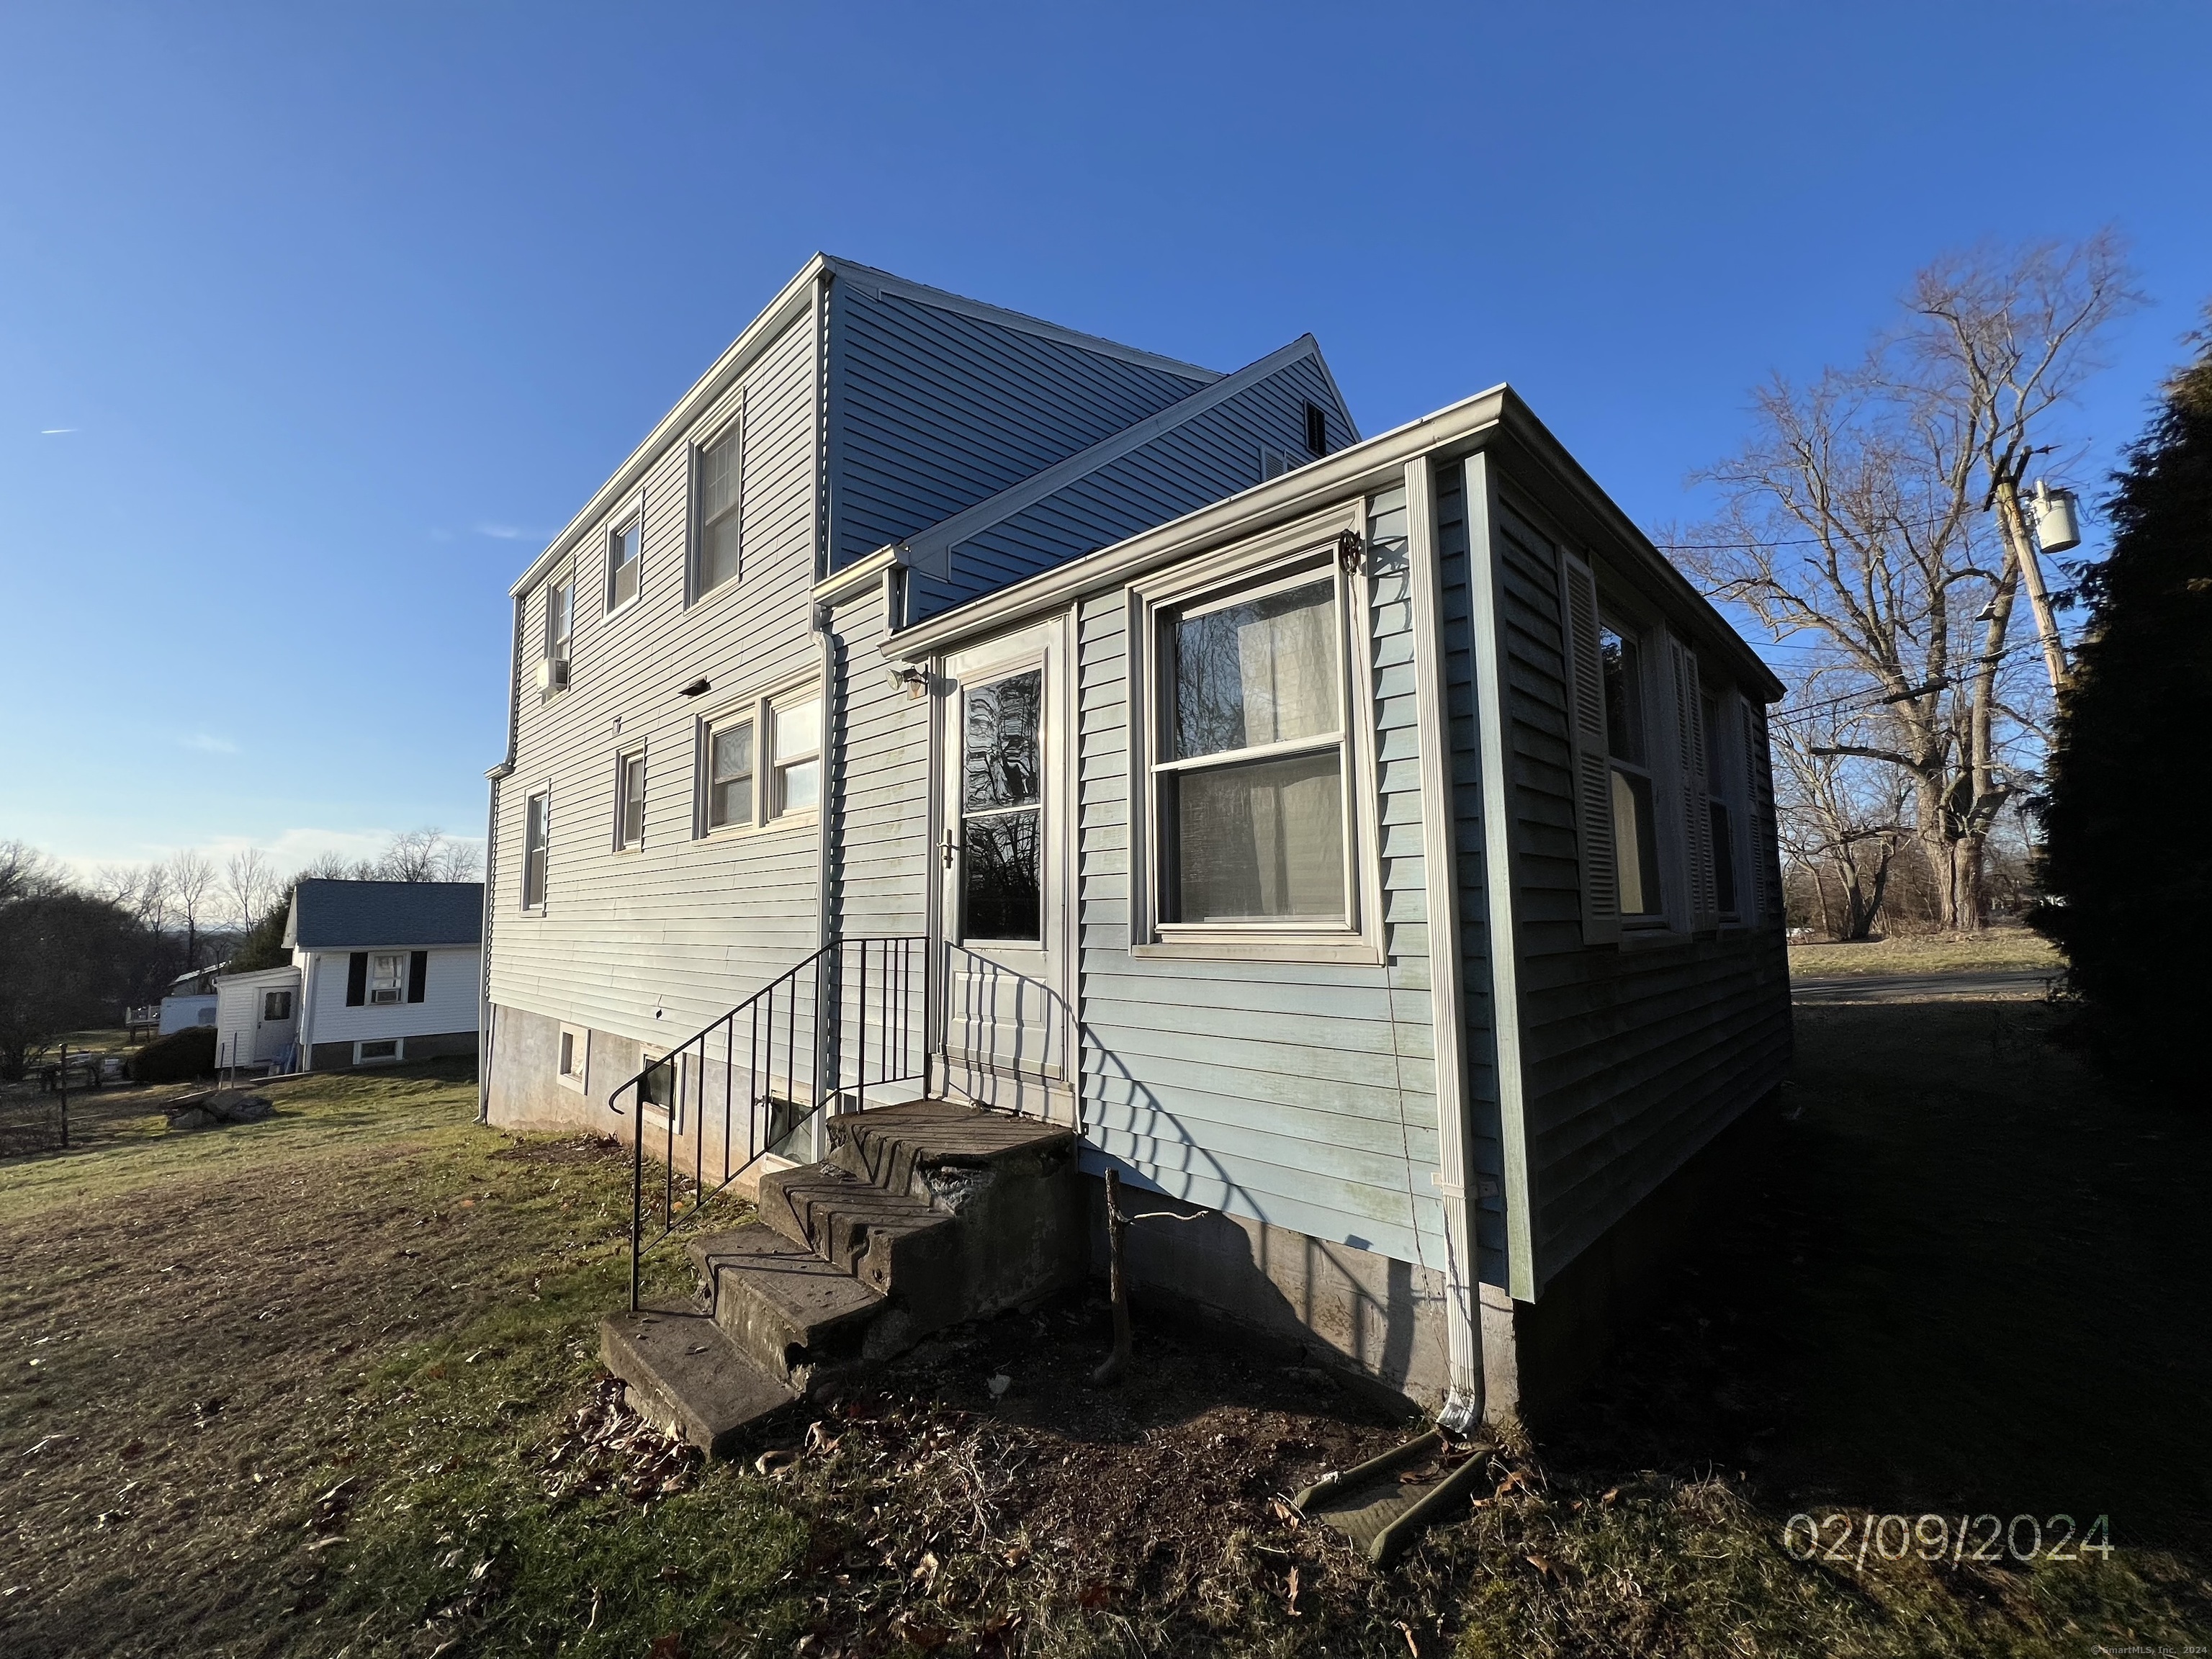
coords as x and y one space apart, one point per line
353 916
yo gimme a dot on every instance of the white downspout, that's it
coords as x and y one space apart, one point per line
1463 1400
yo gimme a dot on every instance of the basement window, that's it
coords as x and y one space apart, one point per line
384 1051
574 1057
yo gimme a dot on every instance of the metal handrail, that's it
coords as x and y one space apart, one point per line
837 981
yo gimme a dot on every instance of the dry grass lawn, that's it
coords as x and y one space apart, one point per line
327 1384
1997 951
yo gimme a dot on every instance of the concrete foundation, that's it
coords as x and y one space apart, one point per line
1357 1311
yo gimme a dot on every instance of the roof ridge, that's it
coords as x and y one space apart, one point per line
930 550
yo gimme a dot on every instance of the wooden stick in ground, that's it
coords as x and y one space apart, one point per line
1117 1224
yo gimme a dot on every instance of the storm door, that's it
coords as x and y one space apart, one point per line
1002 906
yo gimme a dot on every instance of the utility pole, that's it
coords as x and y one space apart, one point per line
2057 526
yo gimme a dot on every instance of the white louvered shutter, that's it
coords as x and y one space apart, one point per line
1585 668
1696 824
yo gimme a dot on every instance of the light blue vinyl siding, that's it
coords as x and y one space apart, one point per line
1213 455
1634 1058
1298 1094
934 410
1486 1144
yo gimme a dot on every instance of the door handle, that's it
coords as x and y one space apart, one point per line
951 849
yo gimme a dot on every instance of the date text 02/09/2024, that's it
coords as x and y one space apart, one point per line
1955 1539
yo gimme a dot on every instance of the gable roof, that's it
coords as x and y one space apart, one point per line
792 302
930 548
346 915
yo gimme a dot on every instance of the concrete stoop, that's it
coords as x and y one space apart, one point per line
924 1214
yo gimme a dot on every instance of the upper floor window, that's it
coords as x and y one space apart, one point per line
1316 429
533 851
1627 729
560 615
721 509
630 800
625 550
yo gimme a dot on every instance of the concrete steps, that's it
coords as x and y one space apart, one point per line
926 1213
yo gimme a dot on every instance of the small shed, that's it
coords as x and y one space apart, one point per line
256 1020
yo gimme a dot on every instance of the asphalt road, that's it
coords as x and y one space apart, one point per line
2010 983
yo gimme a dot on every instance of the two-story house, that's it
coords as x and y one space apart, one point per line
1364 845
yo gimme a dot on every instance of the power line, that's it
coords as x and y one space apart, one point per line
1865 698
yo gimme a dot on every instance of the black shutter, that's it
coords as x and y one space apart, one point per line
418 969
358 979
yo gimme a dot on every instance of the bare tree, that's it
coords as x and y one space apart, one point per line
426 855
251 885
1859 514
26 872
1840 818
192 881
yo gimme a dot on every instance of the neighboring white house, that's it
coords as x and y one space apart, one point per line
386 971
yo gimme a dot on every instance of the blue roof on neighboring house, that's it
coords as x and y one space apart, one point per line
352 915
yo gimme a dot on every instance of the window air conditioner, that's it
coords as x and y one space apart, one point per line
552 673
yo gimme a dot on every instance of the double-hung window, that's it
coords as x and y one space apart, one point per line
1628 742
1251 756
625 554
387 976
560 616
629 799
721 509
730 774
795 749
761 762
533 851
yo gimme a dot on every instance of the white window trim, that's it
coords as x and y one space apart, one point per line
580 1040
397 1054
622 758
1253 563
544 790
756 707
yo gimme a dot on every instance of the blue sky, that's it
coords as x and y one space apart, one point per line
315 322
